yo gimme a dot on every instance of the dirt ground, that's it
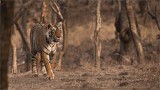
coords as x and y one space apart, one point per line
78 72
117 77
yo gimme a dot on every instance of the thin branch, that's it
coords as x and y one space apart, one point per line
154 16
53 9
156 19
56 9
134 33
119 6
24 38
149 11
22 10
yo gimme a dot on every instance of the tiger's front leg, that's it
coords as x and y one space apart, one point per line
50 74
53 60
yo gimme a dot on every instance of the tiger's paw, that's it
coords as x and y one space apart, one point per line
44 74
35 75
50 77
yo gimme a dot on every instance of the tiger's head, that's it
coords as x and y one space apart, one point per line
54 32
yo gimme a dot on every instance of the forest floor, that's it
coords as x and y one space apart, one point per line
118 77
78 72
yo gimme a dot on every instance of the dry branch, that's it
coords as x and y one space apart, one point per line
27 43
14 65
24 38
22 10
18 14
56 9
132 24
97 36
44 17
154 16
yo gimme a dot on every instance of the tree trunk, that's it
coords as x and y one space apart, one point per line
143 7
24 20
18 14
132 23
5 34
14 54
24 26
45 18
27 45
97 36
22 10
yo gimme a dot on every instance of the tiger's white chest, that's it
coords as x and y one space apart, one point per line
52 48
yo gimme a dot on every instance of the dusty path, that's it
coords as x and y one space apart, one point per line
112 77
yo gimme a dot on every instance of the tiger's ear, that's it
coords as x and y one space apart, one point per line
59 25
49 26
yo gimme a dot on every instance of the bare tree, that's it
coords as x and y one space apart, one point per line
18 14
5 34
123 28
13 45
97 36
14 52
24 27
45 12
132 23
143 7
24 20
153 15
26 43
22 10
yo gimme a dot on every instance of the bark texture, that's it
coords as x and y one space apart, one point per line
14 53
97 36
7 8
132 23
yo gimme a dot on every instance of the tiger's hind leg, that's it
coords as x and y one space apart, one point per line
34 68
50 74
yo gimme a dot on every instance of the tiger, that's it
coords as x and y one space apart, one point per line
44 39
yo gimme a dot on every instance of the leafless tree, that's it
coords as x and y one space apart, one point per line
45 12
128 30
14 52
153 15
97 36
24 27
13 45
22 32
26 43
5 35
143 7
133 28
